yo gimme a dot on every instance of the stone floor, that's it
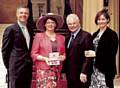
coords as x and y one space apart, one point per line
2 73
2 27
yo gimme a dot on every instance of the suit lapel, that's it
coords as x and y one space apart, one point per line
23 40
20 31
77 38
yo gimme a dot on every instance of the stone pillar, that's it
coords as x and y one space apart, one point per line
57 6
77 7
113 9
39 8
90 8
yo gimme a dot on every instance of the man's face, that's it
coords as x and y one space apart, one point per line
22 15
73 24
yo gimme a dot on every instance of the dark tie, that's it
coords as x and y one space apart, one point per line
71 42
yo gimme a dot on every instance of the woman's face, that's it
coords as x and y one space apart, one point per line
102 22
50 25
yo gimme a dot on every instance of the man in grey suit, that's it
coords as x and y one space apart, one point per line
78 68
16 46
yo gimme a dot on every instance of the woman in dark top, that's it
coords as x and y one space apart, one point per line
106 44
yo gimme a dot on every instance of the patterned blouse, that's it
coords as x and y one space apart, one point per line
97 78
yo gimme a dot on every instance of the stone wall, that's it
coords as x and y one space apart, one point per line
2 28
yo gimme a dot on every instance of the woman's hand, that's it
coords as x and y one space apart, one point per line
61 57
90 53
51 61
46 59
42 58
63 76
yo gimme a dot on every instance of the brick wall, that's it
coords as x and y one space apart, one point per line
8 10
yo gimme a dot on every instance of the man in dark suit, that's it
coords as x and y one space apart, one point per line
16 46
78 68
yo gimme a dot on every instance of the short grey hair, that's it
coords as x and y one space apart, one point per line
72 16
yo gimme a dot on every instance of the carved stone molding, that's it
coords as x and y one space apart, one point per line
39 7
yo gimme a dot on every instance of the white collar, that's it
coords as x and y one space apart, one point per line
21 24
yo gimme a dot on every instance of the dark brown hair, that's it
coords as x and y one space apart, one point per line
53 19
102 12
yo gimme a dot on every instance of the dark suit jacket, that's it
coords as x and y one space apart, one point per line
76 62
16 55
106 52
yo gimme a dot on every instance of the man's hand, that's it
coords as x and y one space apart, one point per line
83 78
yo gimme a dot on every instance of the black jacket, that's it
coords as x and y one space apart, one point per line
16 55
106 52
